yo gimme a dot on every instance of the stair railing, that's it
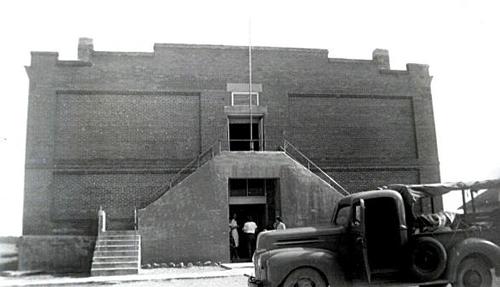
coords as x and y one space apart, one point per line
288 148
198 161
188 169
135 218
216 148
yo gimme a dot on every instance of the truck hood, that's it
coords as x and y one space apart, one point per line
313 237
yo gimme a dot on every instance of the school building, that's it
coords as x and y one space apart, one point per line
172 142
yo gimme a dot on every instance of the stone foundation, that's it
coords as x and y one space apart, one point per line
64 253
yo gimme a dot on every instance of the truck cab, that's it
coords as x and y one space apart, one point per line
371 241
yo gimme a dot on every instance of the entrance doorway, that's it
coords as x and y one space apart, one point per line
239 134
257 198
257 213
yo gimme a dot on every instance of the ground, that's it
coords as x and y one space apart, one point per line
233 281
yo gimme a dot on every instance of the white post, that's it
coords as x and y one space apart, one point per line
102 219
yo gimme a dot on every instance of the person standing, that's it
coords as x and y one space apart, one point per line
279 224
235 240
249 230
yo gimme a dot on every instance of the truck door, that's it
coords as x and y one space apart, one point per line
383 235
357 242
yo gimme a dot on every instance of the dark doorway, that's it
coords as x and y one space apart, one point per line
382 234
257 198
239 136
258 214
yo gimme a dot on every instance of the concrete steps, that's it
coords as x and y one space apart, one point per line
117 252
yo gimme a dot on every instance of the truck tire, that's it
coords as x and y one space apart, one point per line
427 258
473 272
304 277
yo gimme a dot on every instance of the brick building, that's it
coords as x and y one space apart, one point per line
121 129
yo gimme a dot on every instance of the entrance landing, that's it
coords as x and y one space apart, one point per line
190 222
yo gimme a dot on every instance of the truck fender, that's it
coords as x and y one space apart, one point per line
472 246
282 263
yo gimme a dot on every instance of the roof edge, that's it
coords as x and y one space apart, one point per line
230 47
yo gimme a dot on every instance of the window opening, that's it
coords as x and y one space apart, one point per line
239 136
249 186
242 98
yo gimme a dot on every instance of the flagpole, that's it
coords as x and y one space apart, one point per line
250 80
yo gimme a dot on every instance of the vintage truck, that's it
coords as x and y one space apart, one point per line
377 238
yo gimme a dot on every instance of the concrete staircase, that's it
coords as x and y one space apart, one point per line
117 252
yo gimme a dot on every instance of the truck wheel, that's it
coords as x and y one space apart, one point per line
427 258
473 272
304 277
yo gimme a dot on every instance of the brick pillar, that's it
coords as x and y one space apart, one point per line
381 58
85 49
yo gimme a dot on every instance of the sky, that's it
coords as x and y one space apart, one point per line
459 40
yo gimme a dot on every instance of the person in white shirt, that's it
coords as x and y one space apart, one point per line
278 224
249 230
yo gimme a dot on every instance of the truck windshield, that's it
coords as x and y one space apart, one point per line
342 217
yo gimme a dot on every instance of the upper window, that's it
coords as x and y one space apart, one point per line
242 98
249 186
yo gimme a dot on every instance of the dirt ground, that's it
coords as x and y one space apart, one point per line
235 281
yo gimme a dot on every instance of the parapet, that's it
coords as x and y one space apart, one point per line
85 49
43 58
420 69
381 58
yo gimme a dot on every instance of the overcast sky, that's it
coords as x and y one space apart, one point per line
458 39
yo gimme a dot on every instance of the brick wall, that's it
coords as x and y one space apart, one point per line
78 196
137 126
333 126
356 180
129 113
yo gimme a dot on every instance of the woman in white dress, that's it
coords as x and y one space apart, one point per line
233 225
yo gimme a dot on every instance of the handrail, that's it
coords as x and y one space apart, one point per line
216 149
196 162
135 218
310 162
